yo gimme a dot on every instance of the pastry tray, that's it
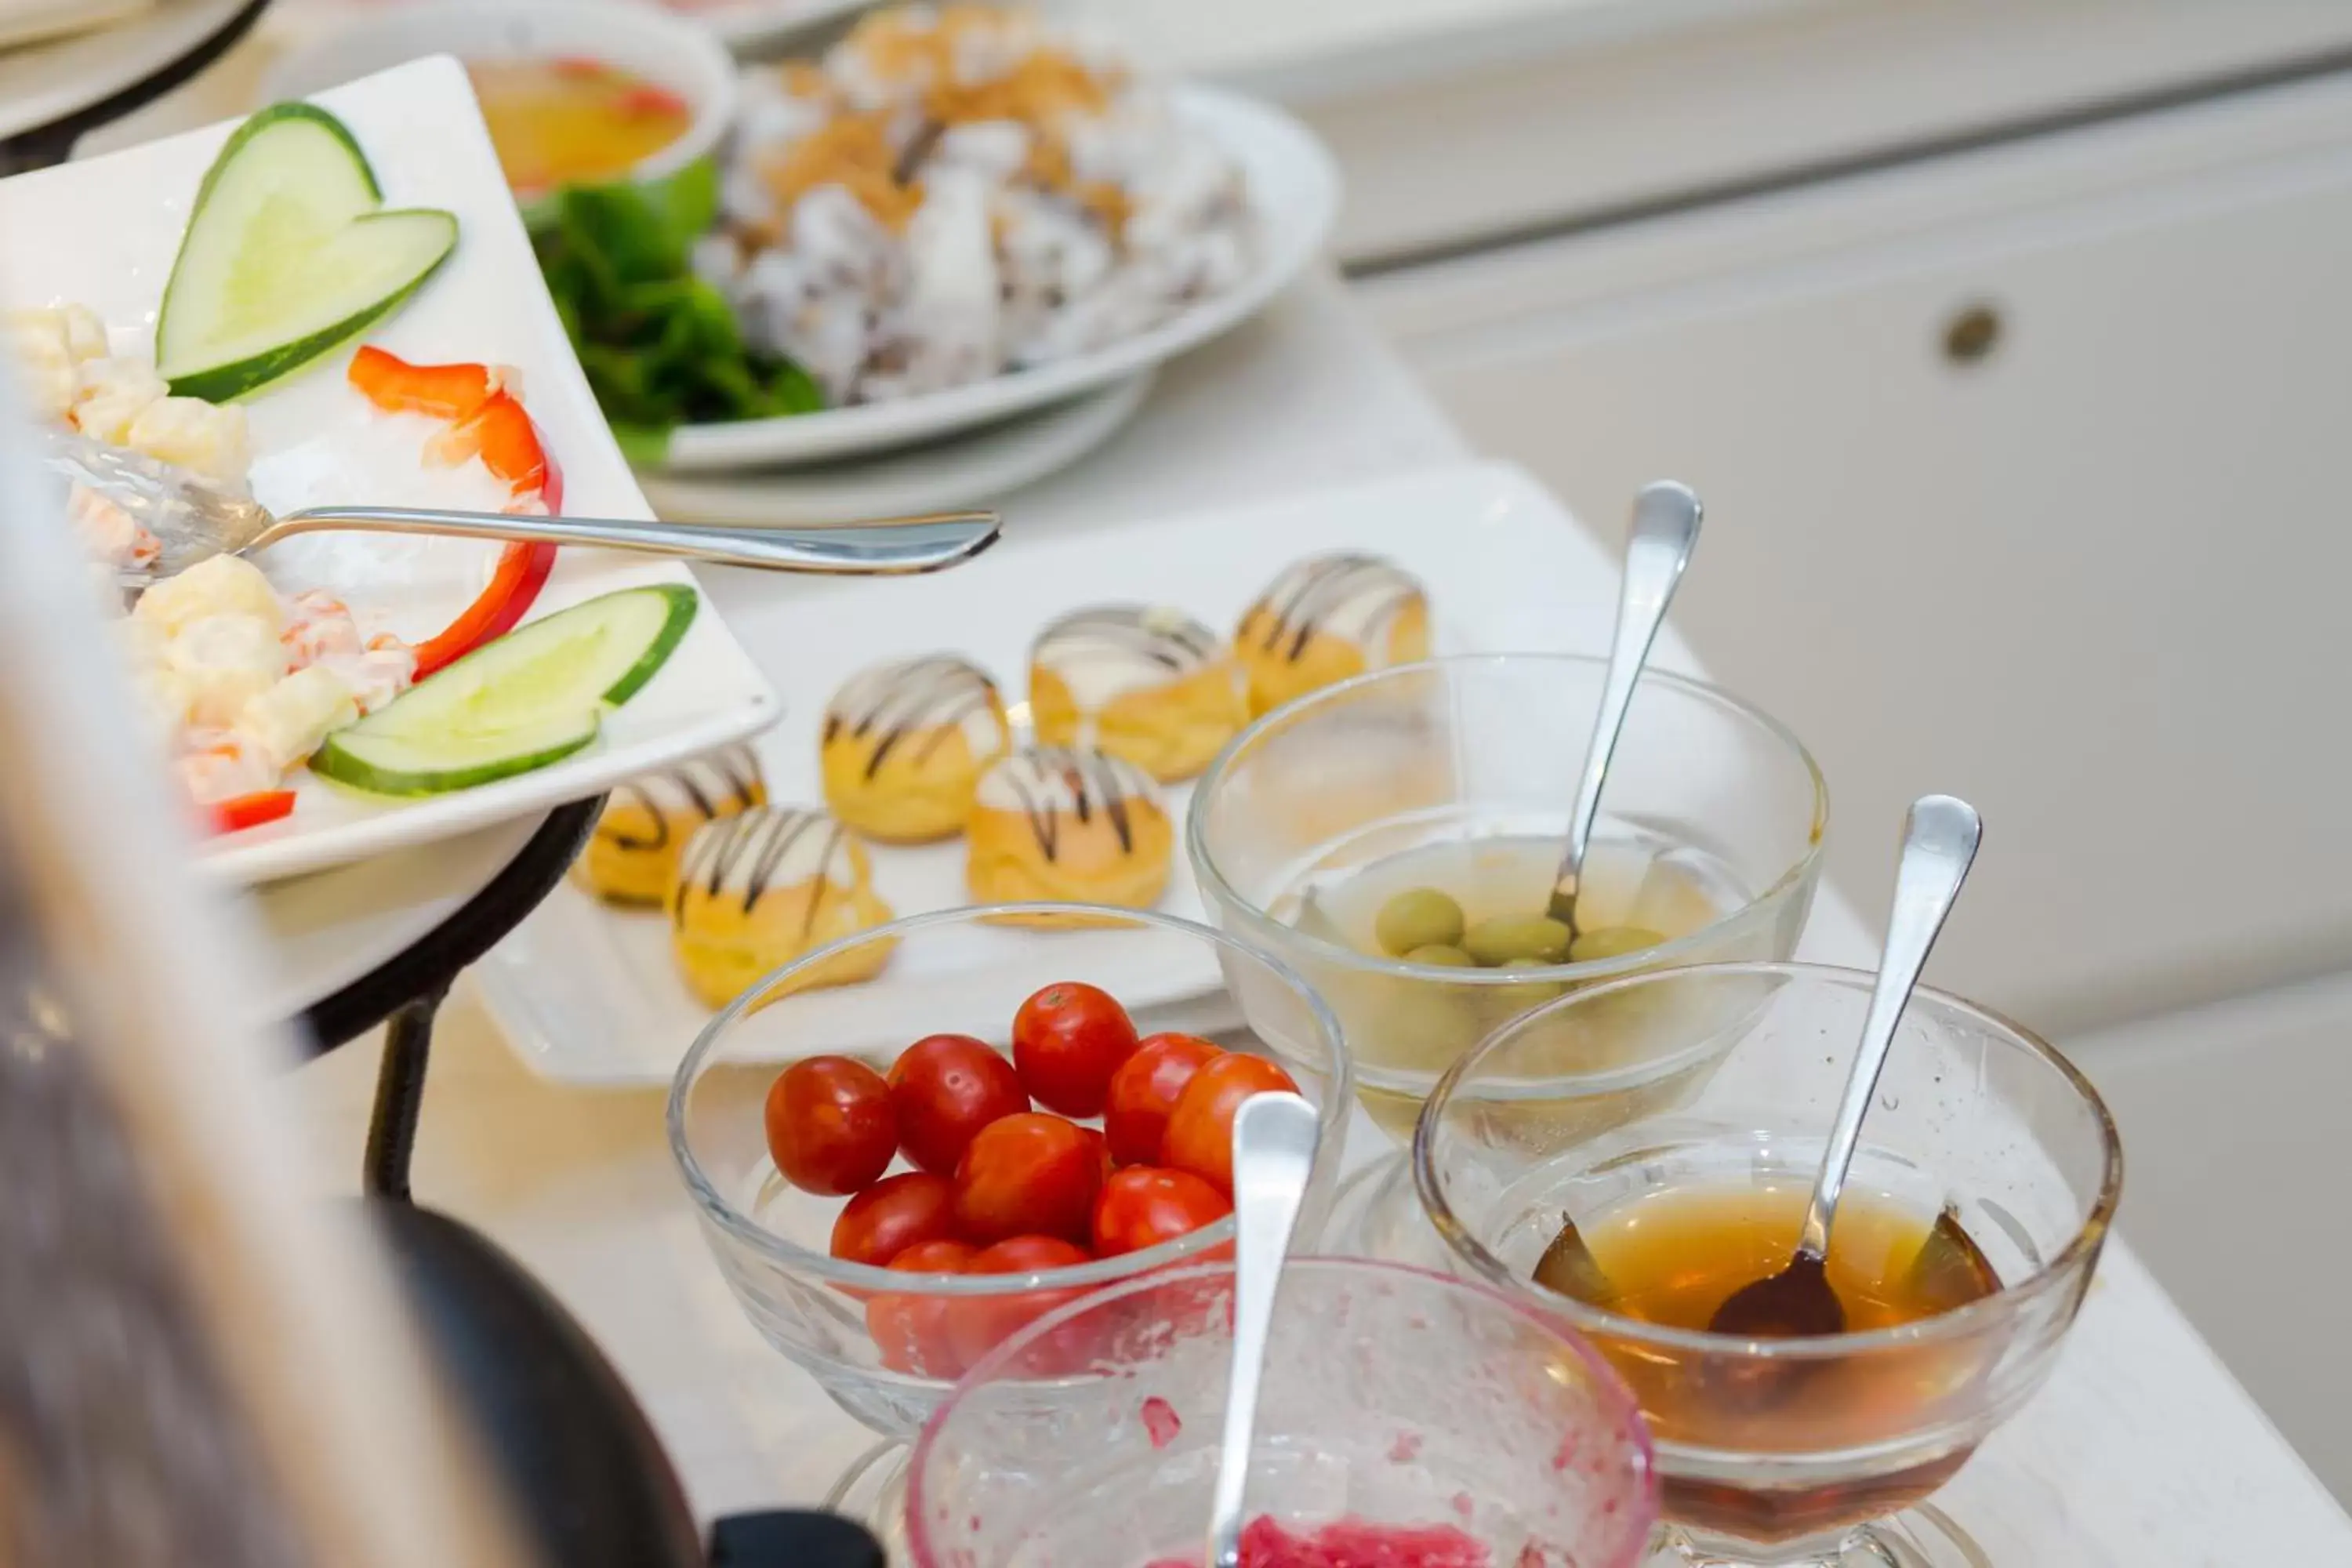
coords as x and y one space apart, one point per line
587 993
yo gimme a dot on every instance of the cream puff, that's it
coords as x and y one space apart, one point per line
1072 824
1146 683
632 856
759 888
905 744
1325 619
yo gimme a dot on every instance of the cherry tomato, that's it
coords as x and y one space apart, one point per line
1067 1040
944 1088
1143 1092
913 1332
1144 1205
893 1215
829 1125
1030 1175
981 1323
1200 1130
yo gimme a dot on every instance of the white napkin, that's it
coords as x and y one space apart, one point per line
24 21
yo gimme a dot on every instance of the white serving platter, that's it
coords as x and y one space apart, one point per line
104 233
587 993
1295 188
752 25
956 472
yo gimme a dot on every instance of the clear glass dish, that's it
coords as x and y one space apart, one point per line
1392 1397
1706 797
1724 1079
964 971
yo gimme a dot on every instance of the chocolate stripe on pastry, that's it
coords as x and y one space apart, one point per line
893 699
768 847
703 787
1353 594
1043 782
1111 648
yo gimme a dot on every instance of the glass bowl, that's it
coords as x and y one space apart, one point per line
1392 1397
1783 1451
965 972
1710 829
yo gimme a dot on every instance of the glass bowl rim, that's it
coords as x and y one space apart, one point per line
1331 1119
1205 871
2007 1302
1606 1382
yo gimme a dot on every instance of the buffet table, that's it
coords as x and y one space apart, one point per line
2141 1451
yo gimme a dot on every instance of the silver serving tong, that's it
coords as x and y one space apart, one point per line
195 521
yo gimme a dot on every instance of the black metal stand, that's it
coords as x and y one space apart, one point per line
409 988
44 146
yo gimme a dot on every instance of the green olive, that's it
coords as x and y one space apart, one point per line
1418 917
1613 942
1438 952
1496 942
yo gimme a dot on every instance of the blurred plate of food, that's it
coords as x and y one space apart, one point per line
955 471
949 218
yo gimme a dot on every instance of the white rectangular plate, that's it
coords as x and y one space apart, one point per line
104 233
588 994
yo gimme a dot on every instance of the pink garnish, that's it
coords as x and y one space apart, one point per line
1405 1449
1353 1543
1160 1420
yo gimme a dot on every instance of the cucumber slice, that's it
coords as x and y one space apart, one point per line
390 762
529 699
285 256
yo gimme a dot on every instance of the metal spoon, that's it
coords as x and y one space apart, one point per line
1939 842
1274 1145
1665 526
195 521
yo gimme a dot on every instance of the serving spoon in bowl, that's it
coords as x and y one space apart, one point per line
195 521
1939 842
1273 1152
1665 529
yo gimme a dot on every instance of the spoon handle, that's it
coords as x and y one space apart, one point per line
886 547
1274 1147
1939 842
1666 527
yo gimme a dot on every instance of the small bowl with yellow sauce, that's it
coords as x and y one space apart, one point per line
575 92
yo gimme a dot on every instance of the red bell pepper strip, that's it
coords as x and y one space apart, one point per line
521 572
503 437
444 391
488 422
251 810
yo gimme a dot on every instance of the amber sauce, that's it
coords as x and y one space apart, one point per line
1672 1257
566 122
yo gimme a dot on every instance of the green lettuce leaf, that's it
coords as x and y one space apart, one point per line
660 346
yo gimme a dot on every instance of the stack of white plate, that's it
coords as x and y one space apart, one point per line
59 57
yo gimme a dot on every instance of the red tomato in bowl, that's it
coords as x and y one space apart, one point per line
1068 1040
979 1324
946 1088
1144 1205
914 1334
830 1129
1029 1174
1200 1130
1144 1093
893 1215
